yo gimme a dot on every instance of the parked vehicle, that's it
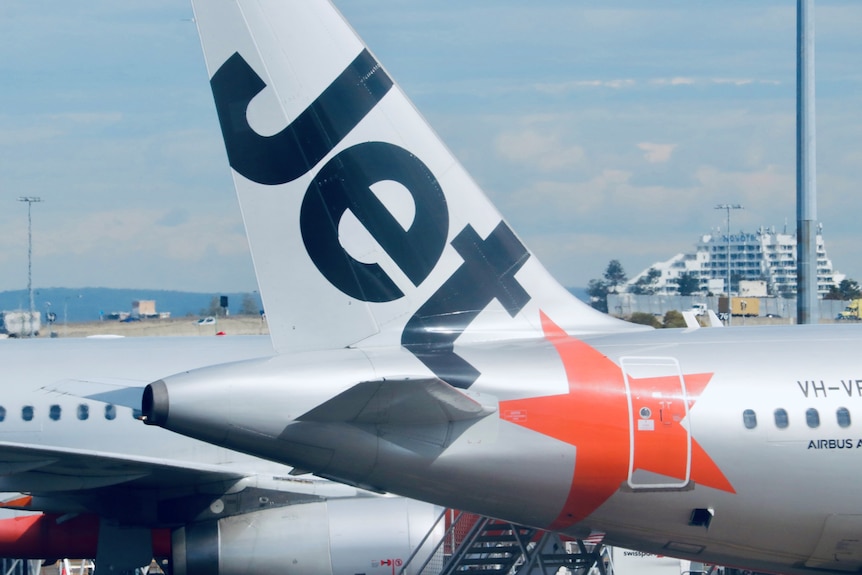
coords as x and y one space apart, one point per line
851 312
699 308
20 323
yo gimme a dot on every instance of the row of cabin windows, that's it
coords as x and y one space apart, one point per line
782 420
749 417
28 412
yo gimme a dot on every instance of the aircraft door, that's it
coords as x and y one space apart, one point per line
659 423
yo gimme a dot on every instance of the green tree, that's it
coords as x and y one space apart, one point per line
598 292
598 289
673 318
614 276
644 318
848 289
687 283
646 284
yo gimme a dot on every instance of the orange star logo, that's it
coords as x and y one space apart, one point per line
595 417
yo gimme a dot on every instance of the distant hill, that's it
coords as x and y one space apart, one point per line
84 304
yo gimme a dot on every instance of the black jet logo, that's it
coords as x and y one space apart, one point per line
344 184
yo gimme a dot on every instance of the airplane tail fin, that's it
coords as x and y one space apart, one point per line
363 227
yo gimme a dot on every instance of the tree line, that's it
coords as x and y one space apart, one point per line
614 280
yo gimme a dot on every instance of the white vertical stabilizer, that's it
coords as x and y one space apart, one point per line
362 225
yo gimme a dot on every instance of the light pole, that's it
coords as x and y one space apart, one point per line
30 201
49 318
807 308
728 207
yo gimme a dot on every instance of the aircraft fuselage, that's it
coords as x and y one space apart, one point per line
732 439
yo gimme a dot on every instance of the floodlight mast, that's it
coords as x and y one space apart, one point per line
30 201
728 207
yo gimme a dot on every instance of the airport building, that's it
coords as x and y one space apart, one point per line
763 255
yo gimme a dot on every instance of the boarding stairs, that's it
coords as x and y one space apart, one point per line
19 566
477 545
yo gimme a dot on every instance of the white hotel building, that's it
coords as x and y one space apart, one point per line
763 255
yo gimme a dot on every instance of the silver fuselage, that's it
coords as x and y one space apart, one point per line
642 430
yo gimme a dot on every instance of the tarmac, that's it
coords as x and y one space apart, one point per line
243 325
186 326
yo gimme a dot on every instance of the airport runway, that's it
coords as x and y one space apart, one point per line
186 326
242 325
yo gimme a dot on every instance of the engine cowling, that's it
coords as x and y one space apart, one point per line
373 536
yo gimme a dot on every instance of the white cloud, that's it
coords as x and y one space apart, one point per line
19 136
677 81
733 81
608 200
561 88
657 153
691 81
544 151
760 190
86 118
564 87
110 233
140 145
613 216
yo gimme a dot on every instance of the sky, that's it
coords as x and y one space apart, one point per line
601 129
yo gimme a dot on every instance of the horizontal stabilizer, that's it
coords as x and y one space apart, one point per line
422 401
713 319
690 320
20 502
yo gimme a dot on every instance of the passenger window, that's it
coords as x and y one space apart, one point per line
749 419
54 412
27 413
812 418
83 412
781 420
110 412
843 415
2 413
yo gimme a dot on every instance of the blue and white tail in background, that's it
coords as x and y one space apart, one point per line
363 227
